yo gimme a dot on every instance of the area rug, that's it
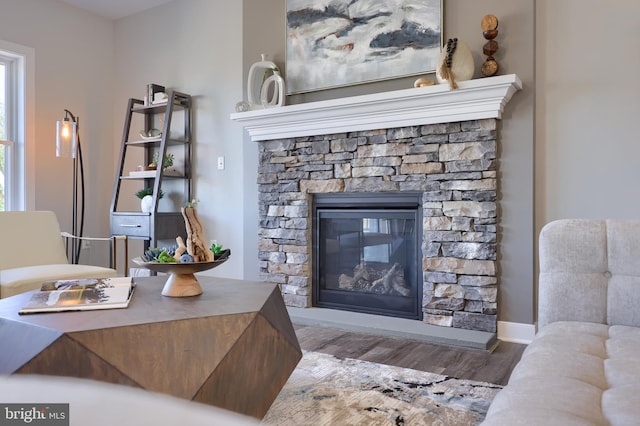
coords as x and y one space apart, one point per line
325 390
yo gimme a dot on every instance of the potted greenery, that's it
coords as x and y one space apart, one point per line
146 198
167 161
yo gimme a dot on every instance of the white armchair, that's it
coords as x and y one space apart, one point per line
33 251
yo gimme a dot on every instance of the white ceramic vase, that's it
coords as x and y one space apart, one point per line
265 85
146 204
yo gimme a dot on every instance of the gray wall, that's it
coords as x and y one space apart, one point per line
587 89
587 106
74 54
194 46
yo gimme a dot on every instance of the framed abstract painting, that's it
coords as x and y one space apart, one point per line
333 43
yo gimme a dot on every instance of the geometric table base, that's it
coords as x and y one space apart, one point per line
237 360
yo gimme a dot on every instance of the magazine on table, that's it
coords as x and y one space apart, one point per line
84 294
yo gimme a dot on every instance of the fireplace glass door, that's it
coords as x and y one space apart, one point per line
366 260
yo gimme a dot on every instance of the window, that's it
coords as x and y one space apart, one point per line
6 148
15 87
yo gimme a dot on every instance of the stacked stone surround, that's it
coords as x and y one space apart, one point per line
452 164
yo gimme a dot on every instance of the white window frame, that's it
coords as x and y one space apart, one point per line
19 146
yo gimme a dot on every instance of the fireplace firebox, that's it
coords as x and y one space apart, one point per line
366 250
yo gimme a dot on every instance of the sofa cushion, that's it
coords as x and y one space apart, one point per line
620 405
623 303
18 280
583 367
536 417
548 398
586 338
573 373
589 272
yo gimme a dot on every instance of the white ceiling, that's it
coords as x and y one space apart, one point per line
116 9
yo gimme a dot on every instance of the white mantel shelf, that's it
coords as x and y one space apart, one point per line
473 100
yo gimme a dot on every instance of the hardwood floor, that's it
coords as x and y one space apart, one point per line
462 363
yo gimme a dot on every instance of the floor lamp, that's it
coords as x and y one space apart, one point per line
68 146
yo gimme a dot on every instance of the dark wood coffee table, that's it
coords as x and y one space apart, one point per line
233 346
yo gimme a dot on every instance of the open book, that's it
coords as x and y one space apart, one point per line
81 295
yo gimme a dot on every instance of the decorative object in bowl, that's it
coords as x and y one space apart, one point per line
181 282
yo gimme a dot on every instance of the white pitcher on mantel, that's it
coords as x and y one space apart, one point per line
265 85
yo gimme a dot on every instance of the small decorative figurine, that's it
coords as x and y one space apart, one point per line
423 81
490 32
456 63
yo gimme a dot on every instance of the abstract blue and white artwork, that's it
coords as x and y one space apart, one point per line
332 43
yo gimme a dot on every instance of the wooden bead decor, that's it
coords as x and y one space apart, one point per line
489 27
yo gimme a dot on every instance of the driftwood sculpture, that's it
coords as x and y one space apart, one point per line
195 243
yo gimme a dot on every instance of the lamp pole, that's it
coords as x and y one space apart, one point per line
68 145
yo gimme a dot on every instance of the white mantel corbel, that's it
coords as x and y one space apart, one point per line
473 100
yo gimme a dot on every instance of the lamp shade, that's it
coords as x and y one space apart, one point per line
66 138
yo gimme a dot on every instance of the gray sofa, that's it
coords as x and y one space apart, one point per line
583 366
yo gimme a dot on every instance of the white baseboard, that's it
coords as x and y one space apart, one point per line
516 332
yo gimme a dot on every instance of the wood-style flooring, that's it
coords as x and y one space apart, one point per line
462 363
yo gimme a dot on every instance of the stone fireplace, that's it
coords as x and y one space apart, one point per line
433 142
